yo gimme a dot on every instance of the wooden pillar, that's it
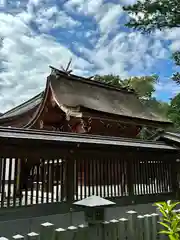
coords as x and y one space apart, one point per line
129 172
69 177
50 177
1 173
18 176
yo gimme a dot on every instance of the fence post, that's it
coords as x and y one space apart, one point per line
71 232
148 226
123 227
132 216
3 238
60 234
47 231
140 229
18 237
82 232
32 236
155 220
105 229
114 229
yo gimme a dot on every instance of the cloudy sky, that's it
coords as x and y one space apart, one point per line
39 33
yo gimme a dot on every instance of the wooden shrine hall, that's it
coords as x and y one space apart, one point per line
71 103
80 137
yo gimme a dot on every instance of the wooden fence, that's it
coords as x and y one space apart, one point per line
24 182
132 227
39 167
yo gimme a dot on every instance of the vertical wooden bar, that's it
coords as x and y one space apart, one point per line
18 176
37 184
9 182
130 177
26 187
70 177
52 179
3 195
96 163
58 175
174 176
1 169
47 177
89 176
108 177
32 185
15 181
111 176
119 166
81 177
158 177
114 176
62 179
85 166
100 177
43 179
135 181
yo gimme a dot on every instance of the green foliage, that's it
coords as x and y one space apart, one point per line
176 76
150 15
109 79
174 111
143 86
170 219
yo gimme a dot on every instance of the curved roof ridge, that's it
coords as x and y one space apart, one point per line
92 82
41 106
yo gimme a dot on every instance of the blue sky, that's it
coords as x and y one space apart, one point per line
39 33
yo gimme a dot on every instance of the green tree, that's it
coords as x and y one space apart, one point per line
144 86
159 107
150 15
174 111
113 80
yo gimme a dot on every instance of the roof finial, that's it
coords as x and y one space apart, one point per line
67 68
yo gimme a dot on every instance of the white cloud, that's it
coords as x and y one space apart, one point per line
87 7
109 19
51 18
25 58
25 55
